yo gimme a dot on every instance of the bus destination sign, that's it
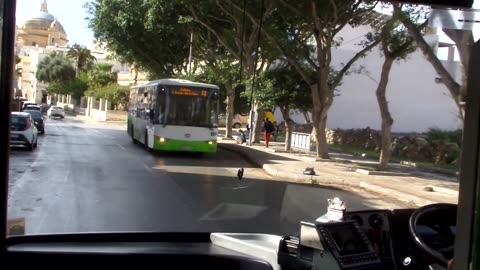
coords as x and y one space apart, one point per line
189 92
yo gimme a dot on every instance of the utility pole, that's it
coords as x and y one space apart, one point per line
190 56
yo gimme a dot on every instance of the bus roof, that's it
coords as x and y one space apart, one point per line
177 82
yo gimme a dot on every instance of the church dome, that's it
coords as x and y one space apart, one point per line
42 30
56 26
42 15
43 20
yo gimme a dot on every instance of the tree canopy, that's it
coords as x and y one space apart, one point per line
81 56
55 68
152 33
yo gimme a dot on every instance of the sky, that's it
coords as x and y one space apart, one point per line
70 13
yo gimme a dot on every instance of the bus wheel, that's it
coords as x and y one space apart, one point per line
131 133
146 142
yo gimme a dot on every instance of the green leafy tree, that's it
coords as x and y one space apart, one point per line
238 35
82 56
76 87
283 88
101 74
55 69
115 93
305 32
395 45
151 33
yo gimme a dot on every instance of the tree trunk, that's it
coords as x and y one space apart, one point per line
230 109
319 118
452 86
307 118
258 124
288 128
322 146
387 121
464 42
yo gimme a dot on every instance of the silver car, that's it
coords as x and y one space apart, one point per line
23 131
56 111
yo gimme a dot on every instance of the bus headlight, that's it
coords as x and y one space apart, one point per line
211 142
162 139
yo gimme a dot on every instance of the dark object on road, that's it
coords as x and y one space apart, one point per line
309 171
240 173
38 118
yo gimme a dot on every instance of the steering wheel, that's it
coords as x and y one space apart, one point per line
437 217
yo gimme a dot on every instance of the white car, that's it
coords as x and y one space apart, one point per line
236 123
23 131
56 111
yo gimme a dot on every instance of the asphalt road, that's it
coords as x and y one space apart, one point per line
86 176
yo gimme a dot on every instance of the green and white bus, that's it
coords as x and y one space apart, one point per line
174 115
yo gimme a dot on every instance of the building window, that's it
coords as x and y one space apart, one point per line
34 43
53 40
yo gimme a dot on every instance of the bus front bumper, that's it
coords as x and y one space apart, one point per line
165 144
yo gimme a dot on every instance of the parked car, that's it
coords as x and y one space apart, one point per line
56 111
23 131
27 103
32 108
38 118
236 123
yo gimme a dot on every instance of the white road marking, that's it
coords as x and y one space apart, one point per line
121 147
148 168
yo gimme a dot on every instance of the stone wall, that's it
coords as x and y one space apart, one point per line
414 147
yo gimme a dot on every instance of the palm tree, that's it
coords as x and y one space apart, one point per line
82 56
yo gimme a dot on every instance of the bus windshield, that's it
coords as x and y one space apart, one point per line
197 107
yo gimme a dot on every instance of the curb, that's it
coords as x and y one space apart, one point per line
242 153
401 196
445 190
315 179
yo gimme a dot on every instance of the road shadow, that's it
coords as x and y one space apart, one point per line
255 156
262 206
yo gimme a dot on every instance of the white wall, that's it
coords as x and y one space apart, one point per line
416 101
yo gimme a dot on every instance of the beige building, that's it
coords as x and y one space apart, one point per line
37 37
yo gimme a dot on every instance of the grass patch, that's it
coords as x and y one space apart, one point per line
358 151
451 167
354 150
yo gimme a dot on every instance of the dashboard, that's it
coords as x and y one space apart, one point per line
389 235
373 239
376 226
366 240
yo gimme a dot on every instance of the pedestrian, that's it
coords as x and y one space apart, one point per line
241 138
269 128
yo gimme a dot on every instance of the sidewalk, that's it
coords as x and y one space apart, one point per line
402 182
